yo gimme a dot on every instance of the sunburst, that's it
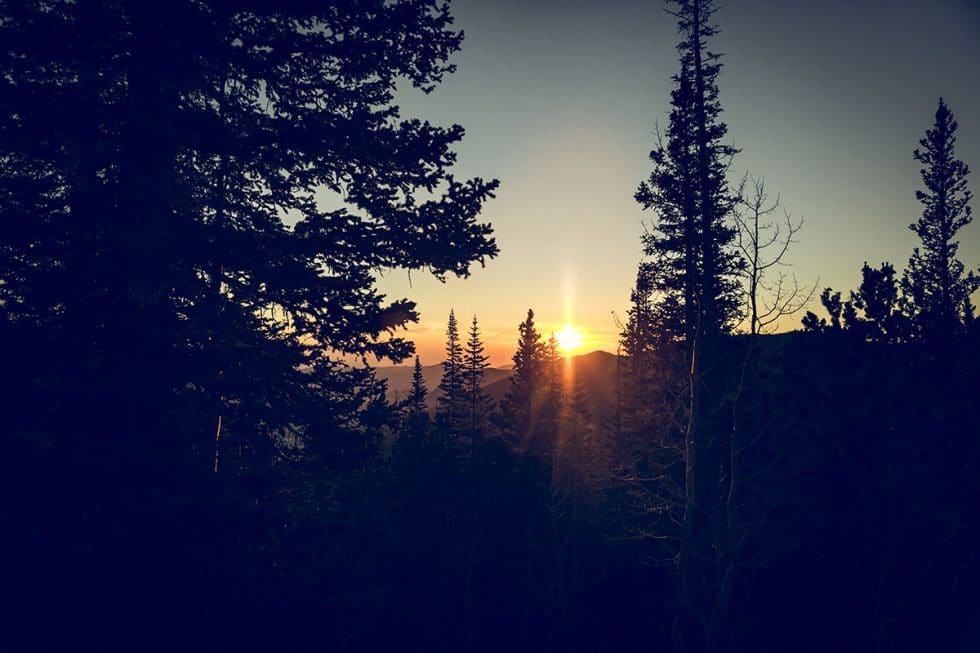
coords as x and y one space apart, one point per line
569 339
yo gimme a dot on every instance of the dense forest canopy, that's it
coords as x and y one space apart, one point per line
197 452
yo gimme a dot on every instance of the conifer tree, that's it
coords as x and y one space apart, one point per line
195 197
692 263
695 268
452 401
554 382
521 406
838 310
653 386
414 407
172 156
936 288
874 312
475 366
639 341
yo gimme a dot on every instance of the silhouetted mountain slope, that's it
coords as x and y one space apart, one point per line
599 374
399 379
598 369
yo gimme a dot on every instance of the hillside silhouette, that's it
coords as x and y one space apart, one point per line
598 371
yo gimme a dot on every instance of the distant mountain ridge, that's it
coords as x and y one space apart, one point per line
598 372
399 378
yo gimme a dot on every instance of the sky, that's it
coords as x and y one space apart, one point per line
827 101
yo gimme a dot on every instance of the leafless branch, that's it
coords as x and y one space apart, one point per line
764 240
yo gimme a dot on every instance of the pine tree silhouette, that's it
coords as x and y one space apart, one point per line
693 265
642 348
874 311
475 366
521 407
835 307
187 259
174 285
452 401
692 262
555 389
414 408
936 288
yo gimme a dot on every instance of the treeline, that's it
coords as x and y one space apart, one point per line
715 419
932 300
188 459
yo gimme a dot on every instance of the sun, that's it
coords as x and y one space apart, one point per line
569 339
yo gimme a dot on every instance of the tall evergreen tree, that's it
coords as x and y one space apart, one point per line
475 366
639 340
647 452
416 396
195 196
936 287
692 261
414 407
521 407
176 154
695 268
554 401
452 401
718 294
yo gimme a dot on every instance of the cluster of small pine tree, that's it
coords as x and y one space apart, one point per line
530 416
931 302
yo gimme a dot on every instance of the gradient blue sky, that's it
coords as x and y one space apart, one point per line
827 101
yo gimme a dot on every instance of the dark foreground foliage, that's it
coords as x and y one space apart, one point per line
861 486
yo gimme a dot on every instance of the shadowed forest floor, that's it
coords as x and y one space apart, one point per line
866 532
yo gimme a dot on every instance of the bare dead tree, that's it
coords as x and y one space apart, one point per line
764 238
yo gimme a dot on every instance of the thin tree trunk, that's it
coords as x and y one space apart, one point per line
217 447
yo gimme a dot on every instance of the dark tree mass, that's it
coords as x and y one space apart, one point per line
197 198
181 295
937 288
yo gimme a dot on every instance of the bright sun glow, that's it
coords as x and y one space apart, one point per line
569 339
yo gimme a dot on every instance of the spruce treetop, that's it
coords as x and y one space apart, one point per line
936 285
691 262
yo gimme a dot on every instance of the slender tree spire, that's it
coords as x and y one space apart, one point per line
692 262
936 287
693 266
475 365
452 400
414 409
416 397
520 407
555 387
